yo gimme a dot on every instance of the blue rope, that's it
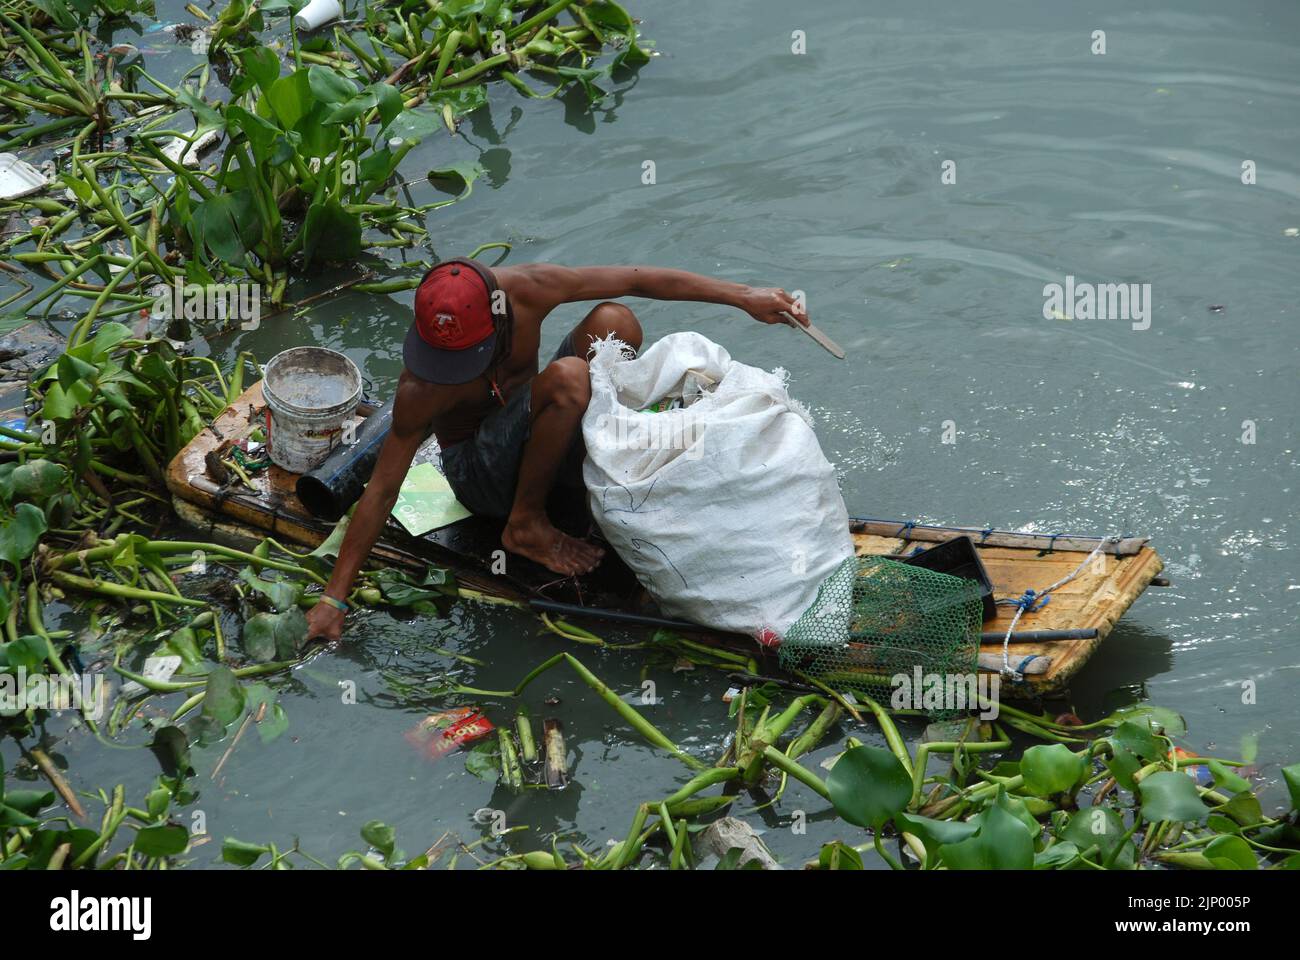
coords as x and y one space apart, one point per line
1029 601
1020 667
906 528
985 535
1051 544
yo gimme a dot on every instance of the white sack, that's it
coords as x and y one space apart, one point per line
726 510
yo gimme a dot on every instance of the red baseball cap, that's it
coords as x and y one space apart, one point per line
453 338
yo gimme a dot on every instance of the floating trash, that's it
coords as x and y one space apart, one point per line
317 14
439 734
18 178
186 153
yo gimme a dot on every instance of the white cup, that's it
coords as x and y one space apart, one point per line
317 13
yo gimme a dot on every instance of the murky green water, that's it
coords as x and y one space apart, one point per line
822 172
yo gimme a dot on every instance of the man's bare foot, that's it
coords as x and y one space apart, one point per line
536 538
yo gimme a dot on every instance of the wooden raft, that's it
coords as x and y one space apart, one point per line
272 507
1015 562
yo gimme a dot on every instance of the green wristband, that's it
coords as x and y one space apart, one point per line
334 602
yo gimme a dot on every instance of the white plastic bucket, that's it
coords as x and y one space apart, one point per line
310 393
317 13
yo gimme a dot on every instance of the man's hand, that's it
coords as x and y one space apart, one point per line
324 623
767 305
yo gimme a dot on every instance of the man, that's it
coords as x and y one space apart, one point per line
508 432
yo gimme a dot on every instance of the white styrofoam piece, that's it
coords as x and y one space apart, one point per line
18 178
191 155
155 668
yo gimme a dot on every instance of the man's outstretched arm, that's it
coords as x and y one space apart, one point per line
545 286
411 417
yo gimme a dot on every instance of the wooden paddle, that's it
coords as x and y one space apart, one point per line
825 342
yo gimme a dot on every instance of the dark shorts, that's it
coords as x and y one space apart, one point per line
484 470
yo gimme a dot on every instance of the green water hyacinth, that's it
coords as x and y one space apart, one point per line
300 145
68 14
1054 808
308 168
1026 814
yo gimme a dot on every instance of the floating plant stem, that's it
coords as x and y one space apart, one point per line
634 719
524 726
511 773
537 20
798 771
702 781
111 589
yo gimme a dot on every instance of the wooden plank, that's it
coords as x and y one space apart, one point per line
1000 538
1099 607
866 545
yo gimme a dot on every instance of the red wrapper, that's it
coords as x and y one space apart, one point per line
440 733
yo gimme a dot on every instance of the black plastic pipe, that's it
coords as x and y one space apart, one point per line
1038 636
614 616
330 490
